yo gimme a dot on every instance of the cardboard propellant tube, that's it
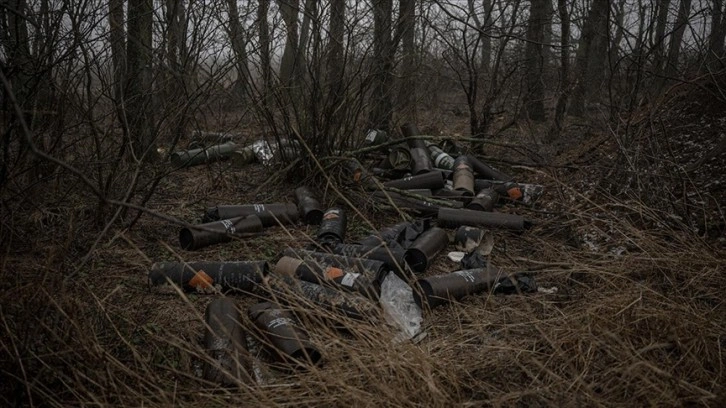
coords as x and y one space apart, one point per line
203 276
425 249
436 290
285 336
450 217
224 341
308 206
270 214
217 232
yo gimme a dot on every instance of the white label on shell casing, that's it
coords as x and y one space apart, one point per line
349 279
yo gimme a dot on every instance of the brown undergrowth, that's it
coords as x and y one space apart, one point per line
638 316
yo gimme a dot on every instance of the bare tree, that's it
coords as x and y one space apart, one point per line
263 29
238 41
561 106
659 38
591 55
139 88
335 51
407 90
674 48
716 37
534 60
289 10
382 71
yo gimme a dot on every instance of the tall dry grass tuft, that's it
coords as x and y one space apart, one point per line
638 318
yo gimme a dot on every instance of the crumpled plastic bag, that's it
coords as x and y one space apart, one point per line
399 308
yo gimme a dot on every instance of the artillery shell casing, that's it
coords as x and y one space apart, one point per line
392 258
422 207
308 206
332 226
344 304
372 269
199 156
439 289
425 249
484 170
286 338
224 340
484 200
504 188
467 238
455 217
421 161
227 276
398 158
431 180
216 232
270 214
463 176
441 159
326 273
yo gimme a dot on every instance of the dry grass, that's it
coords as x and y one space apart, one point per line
638 319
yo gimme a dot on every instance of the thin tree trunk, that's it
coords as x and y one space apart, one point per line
674 48
659 39
289 10
263 28
139 80
561 106
335 51
591 56
407 91
716 37
534 61
239 47
382 106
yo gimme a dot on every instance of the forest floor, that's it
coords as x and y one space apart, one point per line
630 232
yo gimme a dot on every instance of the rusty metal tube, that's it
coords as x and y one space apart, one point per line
224 341
286 338
269 214
308 206
436 290
425 249
203 276
217 231
449 217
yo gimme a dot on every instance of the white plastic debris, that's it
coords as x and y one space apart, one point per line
456 256
547 291
399 307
